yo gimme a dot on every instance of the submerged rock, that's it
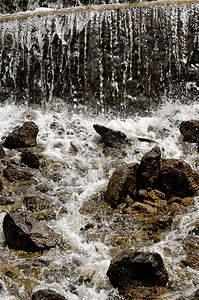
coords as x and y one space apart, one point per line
110 137
149 169
24 136
30 158
131 269
122 183
14 173
191 246
190 130
25 233
47 294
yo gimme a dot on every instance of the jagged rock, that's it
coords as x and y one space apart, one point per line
47 294
131 269
177 178
36 203
149 169
14 173
2 152
22 137
25 233
141 207
30 158
110 137
190 130
122 183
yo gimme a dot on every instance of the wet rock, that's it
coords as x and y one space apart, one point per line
131 269
190 130
5 200
142 208
2 152
162 223
111 138
47 294
25 233
36 203
22 137
178 179
30 158
122 183
149 169
191 246
14 173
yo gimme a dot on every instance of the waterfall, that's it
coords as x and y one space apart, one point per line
66 68
100 57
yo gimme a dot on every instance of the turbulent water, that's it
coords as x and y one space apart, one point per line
77 170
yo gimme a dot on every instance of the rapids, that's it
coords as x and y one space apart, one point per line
75 178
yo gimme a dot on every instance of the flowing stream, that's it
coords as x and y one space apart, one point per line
66 74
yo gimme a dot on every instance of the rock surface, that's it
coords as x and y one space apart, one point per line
122 183
47 294
190 130
25 233
133 269
23 136
149 169
111 138
14 173
177 178
30 158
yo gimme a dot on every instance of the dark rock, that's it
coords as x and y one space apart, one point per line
24 136
2 152
110 137
13 173
25 233
190 130
149 169
122 183
47 294
131 268
30 158
178 179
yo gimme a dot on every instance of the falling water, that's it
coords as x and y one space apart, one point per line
100 57
91 66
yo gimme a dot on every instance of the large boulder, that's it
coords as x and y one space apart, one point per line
14 173
24 136
177 178
122 183
134 269
190 130
47 294
25 233
149 169
110 137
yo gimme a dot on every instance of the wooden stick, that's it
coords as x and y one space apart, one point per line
82 9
